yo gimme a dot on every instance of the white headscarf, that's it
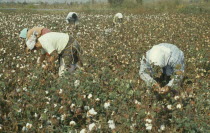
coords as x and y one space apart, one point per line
119 15
159 55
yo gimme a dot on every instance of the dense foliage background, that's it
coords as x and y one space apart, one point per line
108 94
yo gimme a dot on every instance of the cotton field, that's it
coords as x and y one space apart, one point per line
107 94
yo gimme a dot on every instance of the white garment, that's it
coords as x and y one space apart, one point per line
31 42
118 18
70 17
118 15
167 56
53 41
159 55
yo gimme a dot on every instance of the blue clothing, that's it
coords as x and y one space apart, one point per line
169 57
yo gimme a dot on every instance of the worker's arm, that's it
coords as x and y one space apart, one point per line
178 71
144 73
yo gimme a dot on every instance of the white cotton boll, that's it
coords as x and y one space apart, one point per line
18 90
91 112
76 83
55 105
111 124
48 98
19 111
162 127
169 107
25 89
63 117
35 115
40 126
24 129
60 91
28 125
90 96
72 123
97 99
176 97
72 106
91 126
148 120
45 110
132 126
137 102
83 131
106 105
86 107
148 126
178 106
46 92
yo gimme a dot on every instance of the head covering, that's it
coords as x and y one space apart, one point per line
119 15
159 55
31 42
23 33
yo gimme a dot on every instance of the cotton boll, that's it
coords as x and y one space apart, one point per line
92 126
91 112
111 124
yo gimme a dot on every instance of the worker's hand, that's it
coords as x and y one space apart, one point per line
45 67
164 90
35 33
156 87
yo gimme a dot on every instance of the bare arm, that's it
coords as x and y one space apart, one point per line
42 58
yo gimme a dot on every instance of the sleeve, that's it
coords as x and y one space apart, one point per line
144 72
178 71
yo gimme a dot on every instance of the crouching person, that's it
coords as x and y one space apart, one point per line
72 17
118 19
58 46
162 67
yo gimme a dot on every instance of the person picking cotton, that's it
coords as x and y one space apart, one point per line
162 67
27 33
72 17
59 46
118 19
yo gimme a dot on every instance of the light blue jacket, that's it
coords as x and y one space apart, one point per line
170 62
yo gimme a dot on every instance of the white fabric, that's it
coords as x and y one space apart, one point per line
159 55
63 67
69 16
31 42
119 15
53 41
167 56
